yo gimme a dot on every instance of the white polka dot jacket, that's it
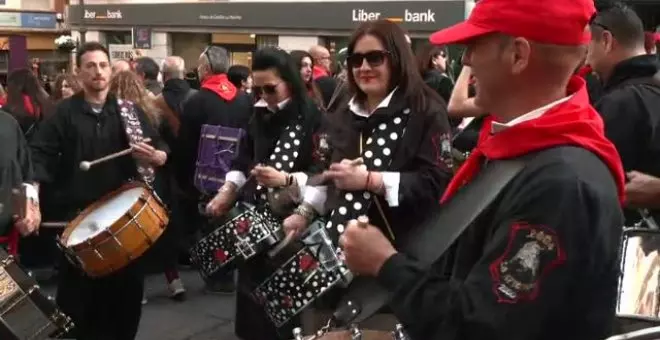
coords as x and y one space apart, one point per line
283 140
402 142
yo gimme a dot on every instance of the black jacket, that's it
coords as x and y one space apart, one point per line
206 107
75 134
569 195
418 158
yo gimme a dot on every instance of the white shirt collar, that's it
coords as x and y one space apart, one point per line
358 110
280 105
497 127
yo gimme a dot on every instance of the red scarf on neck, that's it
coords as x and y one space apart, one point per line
220 84
573 122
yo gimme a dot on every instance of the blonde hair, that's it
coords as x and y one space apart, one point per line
127 85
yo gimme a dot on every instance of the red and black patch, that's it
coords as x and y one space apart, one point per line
442 145
532 252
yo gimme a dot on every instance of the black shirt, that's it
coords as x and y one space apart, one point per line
15 166
568 197
76 133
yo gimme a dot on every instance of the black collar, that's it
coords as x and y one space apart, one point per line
636 67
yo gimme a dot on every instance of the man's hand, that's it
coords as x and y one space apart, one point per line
642 190
269 177
31 222
348 175
366 248
223 200
295 224
148 154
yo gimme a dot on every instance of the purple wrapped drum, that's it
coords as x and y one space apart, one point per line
218 147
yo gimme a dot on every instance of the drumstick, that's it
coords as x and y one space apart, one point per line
86 165
54 224
287 240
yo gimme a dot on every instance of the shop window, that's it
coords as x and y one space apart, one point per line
118 38
267 40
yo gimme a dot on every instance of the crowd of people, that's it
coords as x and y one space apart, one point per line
539 152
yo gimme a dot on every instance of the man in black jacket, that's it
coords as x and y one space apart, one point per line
631 96
218 102
541 262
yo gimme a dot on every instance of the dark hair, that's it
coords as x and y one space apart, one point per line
403 67
23 82
91 46
148 67
237 74
218 59
312 86
273 58
622 21
59 81
425 55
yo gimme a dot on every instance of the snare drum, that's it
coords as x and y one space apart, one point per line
639 286
298 280
116 230
255 237
25 312
221 246
354 334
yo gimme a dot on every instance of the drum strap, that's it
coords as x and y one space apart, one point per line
285 153
433 238
376 153
134 133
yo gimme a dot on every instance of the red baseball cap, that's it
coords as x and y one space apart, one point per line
559 22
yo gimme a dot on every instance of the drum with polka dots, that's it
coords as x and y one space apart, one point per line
299 279
220 247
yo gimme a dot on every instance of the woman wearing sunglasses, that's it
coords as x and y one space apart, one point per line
390 144
272 163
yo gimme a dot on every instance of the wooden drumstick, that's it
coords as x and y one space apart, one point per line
287 240
86 165
54 224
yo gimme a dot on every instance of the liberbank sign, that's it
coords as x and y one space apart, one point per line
415 16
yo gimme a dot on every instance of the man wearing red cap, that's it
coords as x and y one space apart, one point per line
541 262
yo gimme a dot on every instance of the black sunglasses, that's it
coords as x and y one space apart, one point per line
266 89
373 58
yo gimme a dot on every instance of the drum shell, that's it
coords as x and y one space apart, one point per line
24 309
346 335
125 240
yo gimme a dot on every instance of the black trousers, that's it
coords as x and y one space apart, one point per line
107 308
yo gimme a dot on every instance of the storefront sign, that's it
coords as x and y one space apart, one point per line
10 19
39 20
120 52
142 37
415 16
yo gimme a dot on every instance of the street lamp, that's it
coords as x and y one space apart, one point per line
83 28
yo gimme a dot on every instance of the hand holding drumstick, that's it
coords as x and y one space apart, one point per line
141 151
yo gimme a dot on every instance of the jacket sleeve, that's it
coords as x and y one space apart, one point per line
47 144
501 297
430 174
186 150
23 156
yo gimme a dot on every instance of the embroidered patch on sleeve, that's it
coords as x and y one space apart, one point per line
532 252
443 156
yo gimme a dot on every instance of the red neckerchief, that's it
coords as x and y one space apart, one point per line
573 122
220 84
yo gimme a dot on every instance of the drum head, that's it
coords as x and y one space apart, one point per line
103 217
639 292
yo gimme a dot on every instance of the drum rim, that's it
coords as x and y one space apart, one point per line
63 240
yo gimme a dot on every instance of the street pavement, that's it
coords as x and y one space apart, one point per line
202 316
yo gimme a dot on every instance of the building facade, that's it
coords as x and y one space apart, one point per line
185 28
28 29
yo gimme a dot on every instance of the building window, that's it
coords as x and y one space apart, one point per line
118 37
267 40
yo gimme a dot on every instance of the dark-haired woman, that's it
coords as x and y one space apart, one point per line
277 152
389 144
305 63
27 101
66 85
